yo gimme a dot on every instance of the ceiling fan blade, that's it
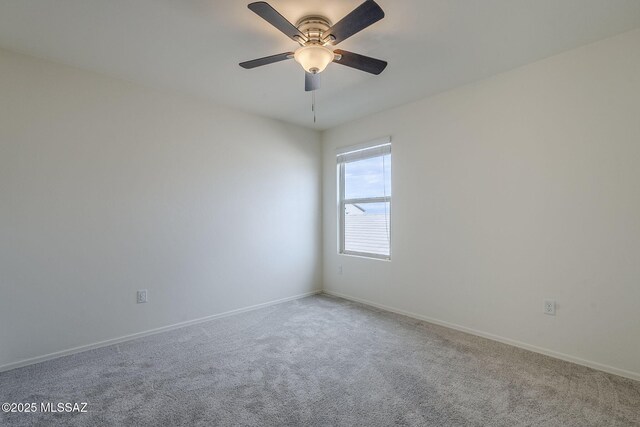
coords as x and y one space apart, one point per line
269 14
360 18
360 62
311 81
266 60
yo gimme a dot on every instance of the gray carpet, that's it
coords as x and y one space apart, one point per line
320 361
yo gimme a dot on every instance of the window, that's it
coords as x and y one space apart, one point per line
364 176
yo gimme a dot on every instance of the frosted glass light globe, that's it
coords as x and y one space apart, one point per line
314 59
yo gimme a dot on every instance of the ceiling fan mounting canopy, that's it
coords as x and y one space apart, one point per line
316 35
313 27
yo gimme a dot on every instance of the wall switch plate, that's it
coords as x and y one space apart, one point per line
142 296
550 307
340 269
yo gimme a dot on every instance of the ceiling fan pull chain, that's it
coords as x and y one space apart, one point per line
313 104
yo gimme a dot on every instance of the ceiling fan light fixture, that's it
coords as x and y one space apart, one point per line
317 36
314 58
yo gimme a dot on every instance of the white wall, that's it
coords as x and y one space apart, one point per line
516 189
107 187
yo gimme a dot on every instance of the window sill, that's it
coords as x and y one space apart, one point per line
373 257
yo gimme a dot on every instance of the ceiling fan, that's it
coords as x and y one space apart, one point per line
316 36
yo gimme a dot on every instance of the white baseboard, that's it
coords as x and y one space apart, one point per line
80 349
567 358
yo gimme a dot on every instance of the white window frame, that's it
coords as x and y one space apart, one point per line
379 147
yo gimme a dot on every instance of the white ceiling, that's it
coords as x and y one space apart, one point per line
194 46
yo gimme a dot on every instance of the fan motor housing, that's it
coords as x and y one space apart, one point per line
313 27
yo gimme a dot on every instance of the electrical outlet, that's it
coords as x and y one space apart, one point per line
142 296
550 307
340 269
